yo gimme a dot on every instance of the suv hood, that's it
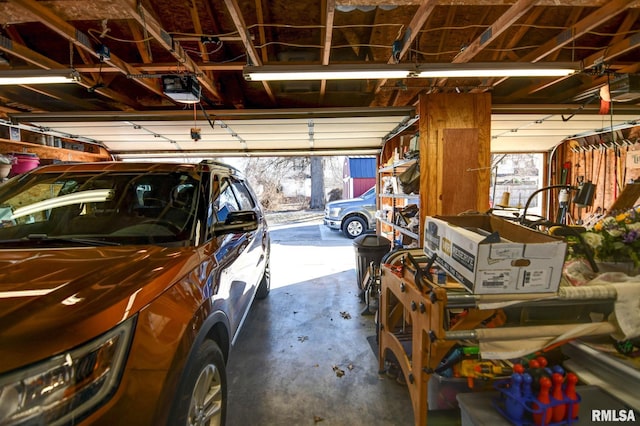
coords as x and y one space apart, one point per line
76 294
341 203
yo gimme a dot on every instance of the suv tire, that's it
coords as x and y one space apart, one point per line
265 284
203 389
353 227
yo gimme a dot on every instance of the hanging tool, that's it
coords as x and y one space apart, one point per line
563 197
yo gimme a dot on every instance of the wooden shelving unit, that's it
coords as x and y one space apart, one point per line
391 203
452 137
45 152
415 322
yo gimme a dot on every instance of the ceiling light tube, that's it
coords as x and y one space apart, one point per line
391 71
326 72
16 76
488 69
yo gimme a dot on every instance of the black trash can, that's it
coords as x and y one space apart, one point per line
369 248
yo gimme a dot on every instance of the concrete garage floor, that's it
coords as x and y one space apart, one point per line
287 363
302 357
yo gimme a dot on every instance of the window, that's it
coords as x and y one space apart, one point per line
225 202
515 177
244 197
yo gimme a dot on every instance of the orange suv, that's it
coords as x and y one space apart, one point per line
122 289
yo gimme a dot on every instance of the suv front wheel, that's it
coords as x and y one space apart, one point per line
354 227
201 398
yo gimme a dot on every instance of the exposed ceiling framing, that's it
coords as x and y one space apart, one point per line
213 40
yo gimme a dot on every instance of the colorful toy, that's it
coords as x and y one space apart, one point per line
552 401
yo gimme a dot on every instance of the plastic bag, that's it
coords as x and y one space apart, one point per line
410 179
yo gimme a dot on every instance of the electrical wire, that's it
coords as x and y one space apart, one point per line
206 115
279 43
200 53
92 32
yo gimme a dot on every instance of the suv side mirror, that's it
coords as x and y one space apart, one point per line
240 221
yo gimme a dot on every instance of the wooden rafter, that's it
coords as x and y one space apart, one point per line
500 25
158 67
153 27
252 53
514 39
75 36
598 17
21 51
197 27
593 20
414 27
142 44
441 82
410 34
327 35
262 36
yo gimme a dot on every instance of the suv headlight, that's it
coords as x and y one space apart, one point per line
334 211
67 387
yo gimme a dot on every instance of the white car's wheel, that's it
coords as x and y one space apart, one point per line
354 227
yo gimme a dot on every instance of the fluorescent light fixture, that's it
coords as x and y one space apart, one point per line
502 69
52 76
326 72
390 71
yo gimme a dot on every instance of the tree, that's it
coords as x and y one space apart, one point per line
317 183
275 178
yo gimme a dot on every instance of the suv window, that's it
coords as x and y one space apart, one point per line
244 198
226 201
116 207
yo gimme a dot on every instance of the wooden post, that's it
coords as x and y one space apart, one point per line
455 153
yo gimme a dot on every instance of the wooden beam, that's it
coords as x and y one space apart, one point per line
521 32
261 32
23 52
153 27
596 18
163 67
328 17
197 28
600 16
410 34
496 29
142 44
78 38
602 57
63 154
414 27
243 31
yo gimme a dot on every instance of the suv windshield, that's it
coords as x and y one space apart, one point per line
97 208
371 192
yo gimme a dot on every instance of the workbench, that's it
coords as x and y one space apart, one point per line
415 320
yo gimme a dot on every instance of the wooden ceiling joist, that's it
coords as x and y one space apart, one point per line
243 31
10 47
69 32
153 27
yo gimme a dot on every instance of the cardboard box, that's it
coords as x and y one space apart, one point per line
490 255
